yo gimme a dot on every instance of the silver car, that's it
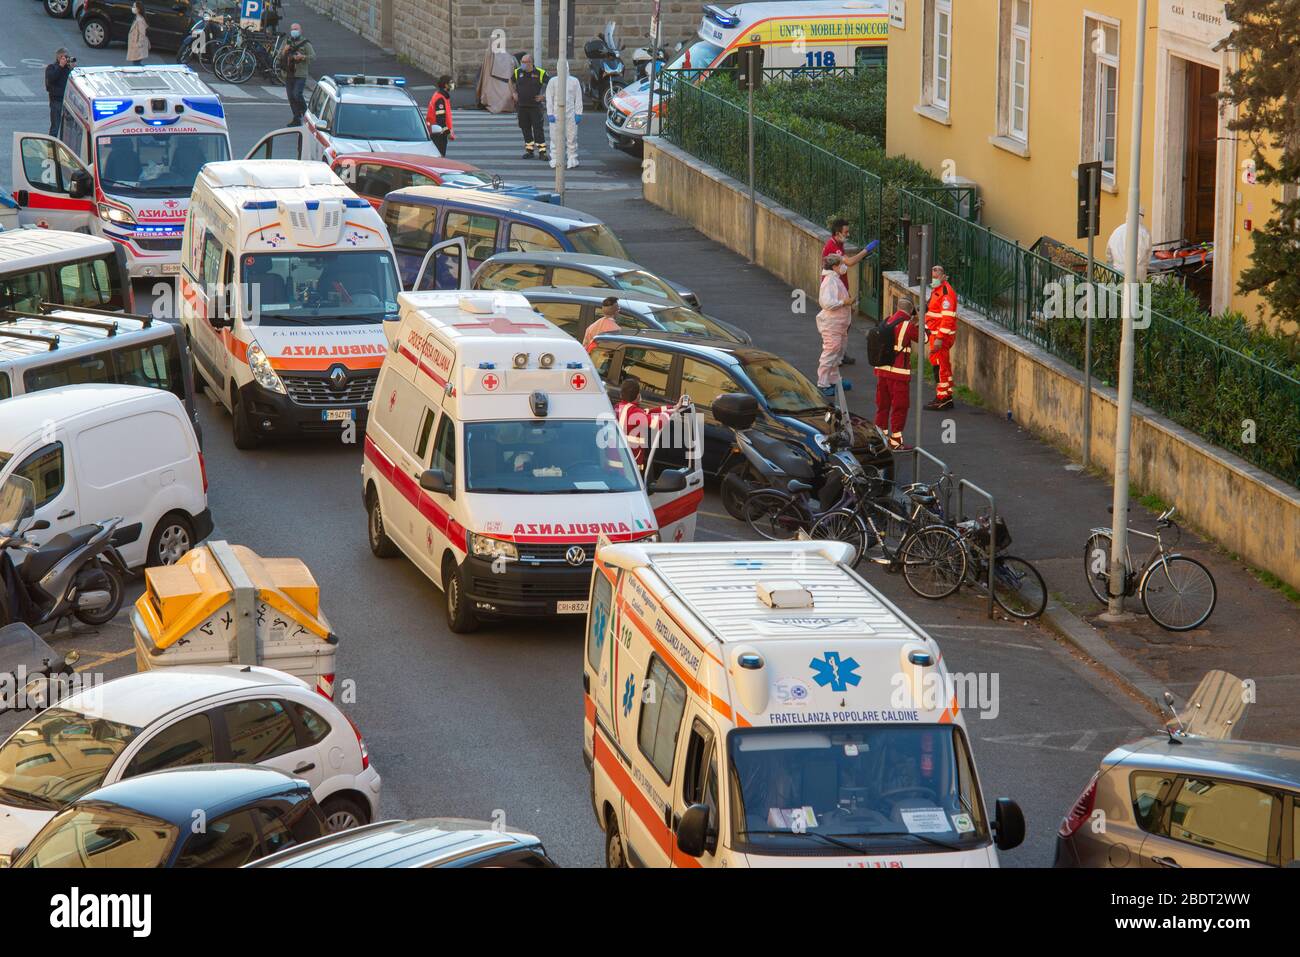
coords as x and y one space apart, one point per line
1173 801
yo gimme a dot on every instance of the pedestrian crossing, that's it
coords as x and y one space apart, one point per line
493 142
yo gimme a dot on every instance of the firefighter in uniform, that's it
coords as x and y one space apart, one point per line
893 381
941 329
528 88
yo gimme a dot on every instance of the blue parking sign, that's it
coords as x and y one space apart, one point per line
252 10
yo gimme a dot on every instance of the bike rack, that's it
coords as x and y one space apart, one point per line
962 485
916 454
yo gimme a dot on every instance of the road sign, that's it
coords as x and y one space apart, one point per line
250 13
1089 199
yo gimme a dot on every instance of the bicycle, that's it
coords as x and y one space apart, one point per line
250 52
1177 591
1018 588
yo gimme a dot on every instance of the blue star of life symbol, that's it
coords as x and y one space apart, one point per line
598 621
831 670
629 695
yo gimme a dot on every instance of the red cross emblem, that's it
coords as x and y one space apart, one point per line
428 537
578 381
392 400
500 324
678 535
490 381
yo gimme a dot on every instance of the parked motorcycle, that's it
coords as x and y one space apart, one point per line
77 573
31 672
604 67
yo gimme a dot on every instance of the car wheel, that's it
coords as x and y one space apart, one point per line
59 9
241 429
343 814
95 31
173 537
614 856
380 544
461 618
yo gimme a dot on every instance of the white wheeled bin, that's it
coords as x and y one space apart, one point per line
225 604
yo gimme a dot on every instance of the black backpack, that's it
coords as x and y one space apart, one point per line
880 342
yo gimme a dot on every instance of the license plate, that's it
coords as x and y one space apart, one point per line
336 415
171 269
570 607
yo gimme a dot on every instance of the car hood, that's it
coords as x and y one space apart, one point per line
345 145
560 519
293 348
18 825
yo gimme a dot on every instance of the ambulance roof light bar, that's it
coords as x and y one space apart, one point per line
362 79
721 16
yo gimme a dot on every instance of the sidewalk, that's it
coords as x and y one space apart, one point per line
339 50
1254 632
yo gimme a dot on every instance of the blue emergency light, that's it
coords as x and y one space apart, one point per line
721 17
356 204
573 365
103 109
209 105
260 204
487 365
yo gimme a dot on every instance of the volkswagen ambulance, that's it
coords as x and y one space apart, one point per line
758 704
794 35
286 280
494 463
132 144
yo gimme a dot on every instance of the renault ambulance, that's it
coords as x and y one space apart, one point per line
132 143
794 35
493 460
758 704
287 277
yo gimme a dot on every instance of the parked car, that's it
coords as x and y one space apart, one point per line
100 451
181 716
63 267
517 271
427 842
490 223
1176 802
791 409
148 821
574 308
109 21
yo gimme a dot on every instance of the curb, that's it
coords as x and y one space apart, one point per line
1087 640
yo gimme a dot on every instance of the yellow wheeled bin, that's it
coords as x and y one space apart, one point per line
225 604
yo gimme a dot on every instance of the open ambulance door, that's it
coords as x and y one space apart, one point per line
676 494
52 187
445 266
282 144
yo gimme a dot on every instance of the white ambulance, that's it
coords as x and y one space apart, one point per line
494 463
792 34
132 143
286 279
758 704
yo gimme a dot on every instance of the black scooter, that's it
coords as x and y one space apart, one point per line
32 674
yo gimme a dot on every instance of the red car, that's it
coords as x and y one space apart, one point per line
373 176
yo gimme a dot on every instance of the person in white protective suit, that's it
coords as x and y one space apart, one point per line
573 109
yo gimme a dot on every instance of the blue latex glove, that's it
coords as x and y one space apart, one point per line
577 117
872 245
550 117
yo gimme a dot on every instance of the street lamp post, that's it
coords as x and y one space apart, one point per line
559 148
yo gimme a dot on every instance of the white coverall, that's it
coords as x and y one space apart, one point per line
573 107
1117 249
833 323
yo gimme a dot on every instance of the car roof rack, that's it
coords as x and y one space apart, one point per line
10 316
145 321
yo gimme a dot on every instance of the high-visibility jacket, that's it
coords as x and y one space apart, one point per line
439 112
530 85
941 312
905 333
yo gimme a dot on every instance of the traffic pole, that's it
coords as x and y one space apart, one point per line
1087 331
537 32
559 147
922 340
1123 424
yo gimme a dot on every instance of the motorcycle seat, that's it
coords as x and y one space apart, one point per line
47 556
782 456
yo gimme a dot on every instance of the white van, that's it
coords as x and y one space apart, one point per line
68 269
758 704
792 34
99 451
286 279
132 143
493 461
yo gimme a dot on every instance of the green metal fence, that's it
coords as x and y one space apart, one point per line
791 171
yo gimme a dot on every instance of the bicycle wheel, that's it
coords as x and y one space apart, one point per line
1096 565
934 562
772 514
237 66
845 526
1018 588
1178 593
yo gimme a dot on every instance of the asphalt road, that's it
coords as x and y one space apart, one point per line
469 725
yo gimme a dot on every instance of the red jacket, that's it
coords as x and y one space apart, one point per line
637 425
439 111
941 315
905 333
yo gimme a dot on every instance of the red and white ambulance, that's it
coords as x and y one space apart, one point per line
494 462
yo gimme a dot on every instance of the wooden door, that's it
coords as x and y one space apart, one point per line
1200 168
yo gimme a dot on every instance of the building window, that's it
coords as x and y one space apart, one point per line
1100 93
936 56
1013 53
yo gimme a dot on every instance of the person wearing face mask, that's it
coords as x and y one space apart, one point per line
296 60
56 84
833 322
137 41
838 243
941 330
438 117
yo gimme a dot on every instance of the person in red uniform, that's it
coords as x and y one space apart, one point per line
439 114
941 329
836 244
637 422
894 381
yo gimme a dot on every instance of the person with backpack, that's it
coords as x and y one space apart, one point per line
889 349
296 62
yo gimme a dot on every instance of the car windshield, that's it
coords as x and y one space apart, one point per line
95 836
156 164
787 390
548 457
58 756
314 288
689 322
853 789
374 121
598 240
467 179
638 280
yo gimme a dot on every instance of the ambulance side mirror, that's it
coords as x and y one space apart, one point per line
693 830
670 480
1008 825
436 480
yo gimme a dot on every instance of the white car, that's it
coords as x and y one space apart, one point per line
175 718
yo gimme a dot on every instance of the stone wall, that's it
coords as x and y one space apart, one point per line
450 36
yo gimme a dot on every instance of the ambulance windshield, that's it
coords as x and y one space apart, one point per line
156 164
853 789
319 287
548 457
698 55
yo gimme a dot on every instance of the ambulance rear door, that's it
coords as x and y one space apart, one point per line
445 266
674 501
54 189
